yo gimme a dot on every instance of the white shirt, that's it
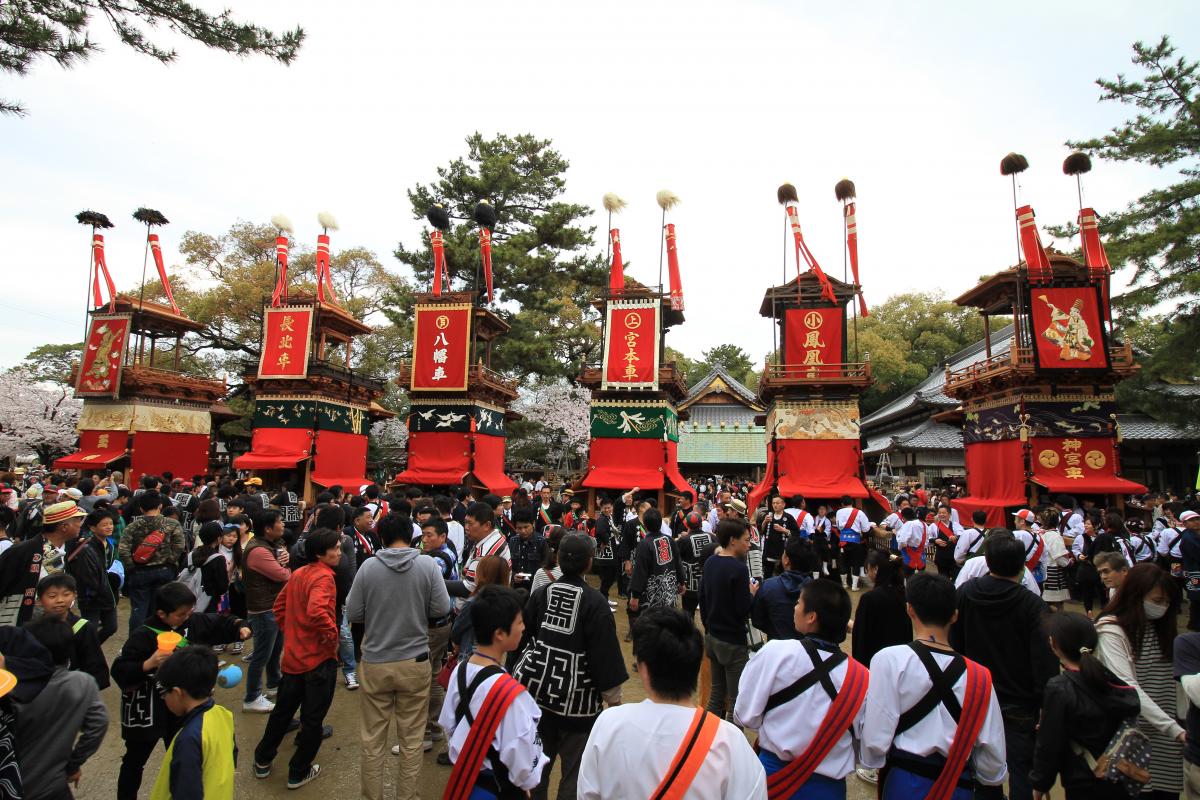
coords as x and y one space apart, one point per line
1056 549
892 521
5 544
977 567
912 534
1143 548
456 534
898 682
1169 541
969 541
807 526
631 748
1074 525
494 544
861 523
516 739
790 728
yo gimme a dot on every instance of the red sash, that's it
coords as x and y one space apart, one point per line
1040 545
946 529
466 769
838 718
800 520
974 712
914 557
690 756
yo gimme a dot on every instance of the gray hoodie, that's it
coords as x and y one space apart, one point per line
57 731
396 594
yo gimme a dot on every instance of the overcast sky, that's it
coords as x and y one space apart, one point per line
719 102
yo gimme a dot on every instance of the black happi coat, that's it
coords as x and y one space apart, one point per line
657 571
570 654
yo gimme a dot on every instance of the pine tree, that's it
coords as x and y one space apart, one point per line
545 274
1158 234
31 30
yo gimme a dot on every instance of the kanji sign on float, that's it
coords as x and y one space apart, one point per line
814 342
631 345
287 337
441 347
103 356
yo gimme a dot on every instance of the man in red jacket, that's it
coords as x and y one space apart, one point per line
305 613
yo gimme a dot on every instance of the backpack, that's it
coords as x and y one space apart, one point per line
1125 761
192 576
149 546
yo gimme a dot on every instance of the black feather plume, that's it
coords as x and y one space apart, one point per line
93 218
1013 163
485 214
148 216
844 189
438 217
1077 164
787 194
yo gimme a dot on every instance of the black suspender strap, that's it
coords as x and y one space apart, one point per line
821 668
942 692
466 692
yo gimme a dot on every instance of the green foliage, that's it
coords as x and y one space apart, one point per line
545 276
59 30
735 361
1158 233
50 362
691 369
909 336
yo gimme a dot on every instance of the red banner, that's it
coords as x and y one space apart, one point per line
813 340
1066 328
183 454
631 345
287 339
441 348
1079 465
103 356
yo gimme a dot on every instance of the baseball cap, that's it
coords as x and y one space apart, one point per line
1185 516
574 551
1025 514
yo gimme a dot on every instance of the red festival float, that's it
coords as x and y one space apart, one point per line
459 405
311 411
634 424
140 413
811 387
1040 417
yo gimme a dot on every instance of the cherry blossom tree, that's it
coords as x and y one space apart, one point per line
388 442
36 417
556 425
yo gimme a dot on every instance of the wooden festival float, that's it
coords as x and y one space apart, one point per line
634 422
459 404
140 413
1040 413
311 410
810 386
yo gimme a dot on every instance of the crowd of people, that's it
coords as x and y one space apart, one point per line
486 627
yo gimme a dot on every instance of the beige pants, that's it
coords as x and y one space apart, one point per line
396 690
1191 781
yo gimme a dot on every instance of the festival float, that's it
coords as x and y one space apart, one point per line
140 414
311 410
634 423
811 386
1039 415
459 404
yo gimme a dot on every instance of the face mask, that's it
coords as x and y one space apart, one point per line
1153 610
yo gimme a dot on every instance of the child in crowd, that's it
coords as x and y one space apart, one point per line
56 596
145 718
200 760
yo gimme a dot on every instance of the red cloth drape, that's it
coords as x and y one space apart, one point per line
995 479
674 476
489 464
436 458
91 455
824 469
182 454
276 448
340 459
625 463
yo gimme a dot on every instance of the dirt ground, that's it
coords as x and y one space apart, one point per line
339 756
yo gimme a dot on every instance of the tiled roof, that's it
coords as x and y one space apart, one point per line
738 389
929 391
702 414
926 435
1138 427
743 446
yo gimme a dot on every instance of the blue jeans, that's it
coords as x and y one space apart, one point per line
346 647
142 583
268 647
